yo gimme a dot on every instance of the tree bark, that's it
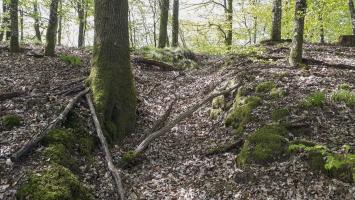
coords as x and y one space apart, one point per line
175 26
21 24
297 42
111 75
229 15
164 15
14 41
60 23
52 29
36 17
352 14
5 26
81 16
276 20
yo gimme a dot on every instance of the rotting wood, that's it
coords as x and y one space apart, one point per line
33 142
114 171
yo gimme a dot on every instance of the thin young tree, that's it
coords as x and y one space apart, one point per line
111 75
297 42
229 15
60 23
175 26
36 17
14 40
163 31
81 17
5 26
52 29
276 20
352 14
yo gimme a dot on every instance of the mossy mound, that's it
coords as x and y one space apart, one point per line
215 113
53 183
344 96
241 112
339 166
71 59
59 154
280 114
10 121
218 102
60 136
264 87
316 99
265 145
277 93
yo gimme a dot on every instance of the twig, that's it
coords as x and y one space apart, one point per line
114 171
30 144
161 122
144 144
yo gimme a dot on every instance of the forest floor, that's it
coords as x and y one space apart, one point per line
175 166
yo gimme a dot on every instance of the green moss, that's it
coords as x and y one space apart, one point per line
263 146
129 156
316 99
11 120
71 59
214 113
241 112
86 142
276 93
53 183
344 86
344 96
265 87
59 154
280 114
60 136
218 102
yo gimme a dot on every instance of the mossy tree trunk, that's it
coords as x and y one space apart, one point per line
111 76
352 14
36 17
297 42
276 20
229 25
60 23
163 31
81 16
175 29
14 41
52 29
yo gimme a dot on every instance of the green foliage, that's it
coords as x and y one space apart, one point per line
241 112
129 156
215 112
71 59
276 93
344 96
344 86
316 99
280 114
265 87
263 146
60 154
53 183
59 136
218 102
10 121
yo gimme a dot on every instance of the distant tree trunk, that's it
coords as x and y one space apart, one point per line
255 31
175 26
352 14
164 15
297 42
153 7
111 75
5 26
60 23
322 38
2 30
21 24
14 41
229 16
52 29
36 17
276 20
81 16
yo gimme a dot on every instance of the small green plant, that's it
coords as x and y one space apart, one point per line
316 99
71 59
265 87
345 96
276 93
344 86
129 156
280 114
11 120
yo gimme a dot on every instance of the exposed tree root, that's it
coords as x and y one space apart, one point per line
163 66
114 171
32 143
226 148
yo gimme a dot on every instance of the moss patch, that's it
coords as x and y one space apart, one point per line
61 136
218 102
10 121
344 86
344 96
263 146
59 154
276 93
214 113
129 156
241 112
264 87
279 114
316 99
53 183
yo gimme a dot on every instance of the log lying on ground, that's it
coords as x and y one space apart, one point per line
114 171
162 65
6 96
32 143
143 145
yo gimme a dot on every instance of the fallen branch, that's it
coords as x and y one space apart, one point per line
227 148
144 144
6 96
30 144
114 171
161 122
162 65
311 61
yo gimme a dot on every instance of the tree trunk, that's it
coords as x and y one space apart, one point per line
81 16
229 15
5 27
352 14
297 42
21 24
175 30
164 15
14 42
322 38
36 16
276 20
111 76
60 23
52 29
